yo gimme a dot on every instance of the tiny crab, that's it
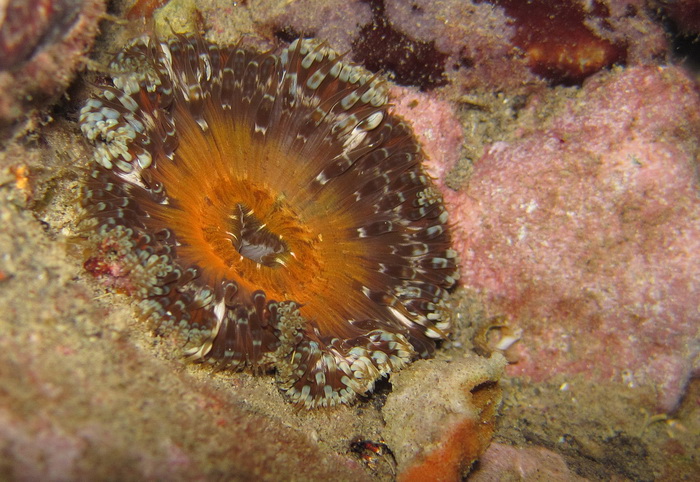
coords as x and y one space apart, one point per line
372 452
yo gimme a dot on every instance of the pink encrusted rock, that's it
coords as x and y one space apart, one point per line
503 462
479 37
476 37
434 123
335 21
586 232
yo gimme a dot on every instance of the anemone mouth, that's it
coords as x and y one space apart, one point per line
235 230
270 209
254 240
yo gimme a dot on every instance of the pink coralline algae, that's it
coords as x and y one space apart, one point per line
435 124
586 231
504 462
465 45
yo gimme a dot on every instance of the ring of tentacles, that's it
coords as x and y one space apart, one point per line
269 211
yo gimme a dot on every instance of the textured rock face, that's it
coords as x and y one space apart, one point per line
42 45
81 400
586 232
437 433
505 463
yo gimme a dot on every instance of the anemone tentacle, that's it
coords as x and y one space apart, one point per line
269 209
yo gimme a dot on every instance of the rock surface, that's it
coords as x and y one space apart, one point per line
438 432
43 44
585 230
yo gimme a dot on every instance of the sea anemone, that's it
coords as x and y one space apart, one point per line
269 210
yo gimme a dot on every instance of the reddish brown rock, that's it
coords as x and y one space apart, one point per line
43 44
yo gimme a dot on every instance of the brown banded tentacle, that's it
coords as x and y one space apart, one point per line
229 179
327 373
